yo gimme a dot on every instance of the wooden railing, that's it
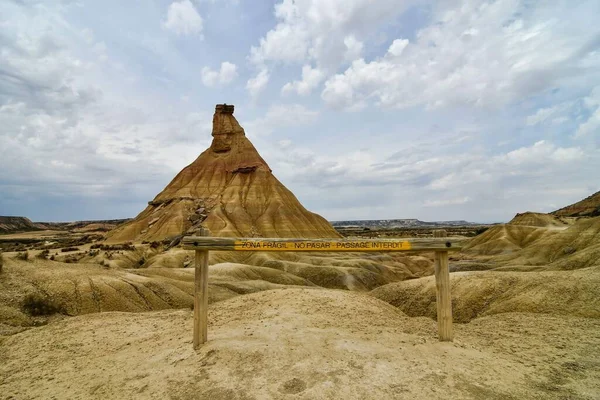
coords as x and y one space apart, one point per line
202 244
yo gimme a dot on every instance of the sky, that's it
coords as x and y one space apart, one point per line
437 110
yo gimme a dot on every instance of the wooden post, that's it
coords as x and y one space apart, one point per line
444 300
201 295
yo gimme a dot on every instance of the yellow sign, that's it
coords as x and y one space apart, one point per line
345 245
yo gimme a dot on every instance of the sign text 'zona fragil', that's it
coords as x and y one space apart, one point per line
345 245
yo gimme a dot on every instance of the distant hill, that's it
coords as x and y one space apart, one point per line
18 224
398 223
23 224
588 207
85 226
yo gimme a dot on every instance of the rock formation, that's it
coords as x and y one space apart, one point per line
588 207
228 189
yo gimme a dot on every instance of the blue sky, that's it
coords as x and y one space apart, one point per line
446 110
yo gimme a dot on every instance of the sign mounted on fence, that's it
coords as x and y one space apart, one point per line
202 244
311 245
331 245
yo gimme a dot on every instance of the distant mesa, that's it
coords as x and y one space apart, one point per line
228 189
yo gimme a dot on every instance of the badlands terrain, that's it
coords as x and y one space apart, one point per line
99 311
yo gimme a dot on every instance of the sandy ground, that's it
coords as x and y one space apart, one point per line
302 344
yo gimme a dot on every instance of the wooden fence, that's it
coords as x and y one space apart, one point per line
202 244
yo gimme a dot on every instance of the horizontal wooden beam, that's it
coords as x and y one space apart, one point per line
331 245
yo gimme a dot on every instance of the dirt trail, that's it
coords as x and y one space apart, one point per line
302 344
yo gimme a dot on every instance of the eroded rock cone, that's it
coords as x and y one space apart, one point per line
228 189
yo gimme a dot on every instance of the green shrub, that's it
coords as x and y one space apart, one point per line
479 231
36 304
23 256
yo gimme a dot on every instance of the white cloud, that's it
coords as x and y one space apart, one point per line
438 179
183 18
311 78
64 131
539 153
397 47
328 32
446 202
226 74
258 83
280 116
591 125
541 115
477 54
354 48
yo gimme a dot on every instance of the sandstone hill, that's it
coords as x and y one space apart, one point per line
228 189
588 207
537 219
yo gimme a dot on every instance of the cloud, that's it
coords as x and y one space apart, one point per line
354 48
493 101
328 32
258 83
183 18
477 54
397 47
591 125
446 202
440 181
226 74
280 116
65 137
541 115
311 78
540 153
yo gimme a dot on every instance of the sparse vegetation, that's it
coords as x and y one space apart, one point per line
36 305
1 261
479 231
66 249
114 247
73 258
22 256
43 254
57 242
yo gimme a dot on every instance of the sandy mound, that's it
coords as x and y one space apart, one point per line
33 290
477 294
230 190
304 344
514 246
572 248
503 239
